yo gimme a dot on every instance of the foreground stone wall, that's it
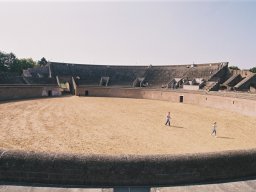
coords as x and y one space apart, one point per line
101 171
220 101
11 92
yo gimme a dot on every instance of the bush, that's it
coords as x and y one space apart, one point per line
234 67
253 69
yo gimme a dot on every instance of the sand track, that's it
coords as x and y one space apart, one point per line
120 126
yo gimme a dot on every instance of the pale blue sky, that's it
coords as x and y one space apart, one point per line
131 33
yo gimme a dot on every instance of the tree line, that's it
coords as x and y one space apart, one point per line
253 70
10 63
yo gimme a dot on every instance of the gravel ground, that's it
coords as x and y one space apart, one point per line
91 125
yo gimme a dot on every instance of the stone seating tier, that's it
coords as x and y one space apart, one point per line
10 78
204 72
158 76
35 81
39 71
154 76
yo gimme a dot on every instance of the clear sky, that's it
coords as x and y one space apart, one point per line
131 32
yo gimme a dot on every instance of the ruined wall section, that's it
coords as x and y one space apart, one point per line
26 92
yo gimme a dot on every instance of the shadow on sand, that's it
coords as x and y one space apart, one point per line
224 137
174 126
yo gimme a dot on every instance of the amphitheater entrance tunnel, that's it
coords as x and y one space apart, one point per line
181 98
49 93
86 93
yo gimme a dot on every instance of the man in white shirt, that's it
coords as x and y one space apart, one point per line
168 119
214 129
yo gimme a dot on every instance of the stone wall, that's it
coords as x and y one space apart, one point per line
191 87
25 92
244 105
102 171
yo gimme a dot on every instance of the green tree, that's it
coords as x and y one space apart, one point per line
234 67
6 60
253 69
42 62
10 63
21 64
3 67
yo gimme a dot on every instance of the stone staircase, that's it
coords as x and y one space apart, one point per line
245 82
211 86
232 80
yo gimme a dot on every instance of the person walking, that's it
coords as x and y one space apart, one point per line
214 129
168 119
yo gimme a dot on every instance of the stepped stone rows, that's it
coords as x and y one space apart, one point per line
125 76
209 77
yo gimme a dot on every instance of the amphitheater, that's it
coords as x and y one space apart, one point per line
102 126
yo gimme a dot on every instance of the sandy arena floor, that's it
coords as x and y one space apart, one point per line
120 126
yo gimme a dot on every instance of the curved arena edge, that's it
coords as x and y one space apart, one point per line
30 168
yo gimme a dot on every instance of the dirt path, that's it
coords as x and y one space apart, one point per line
120 126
